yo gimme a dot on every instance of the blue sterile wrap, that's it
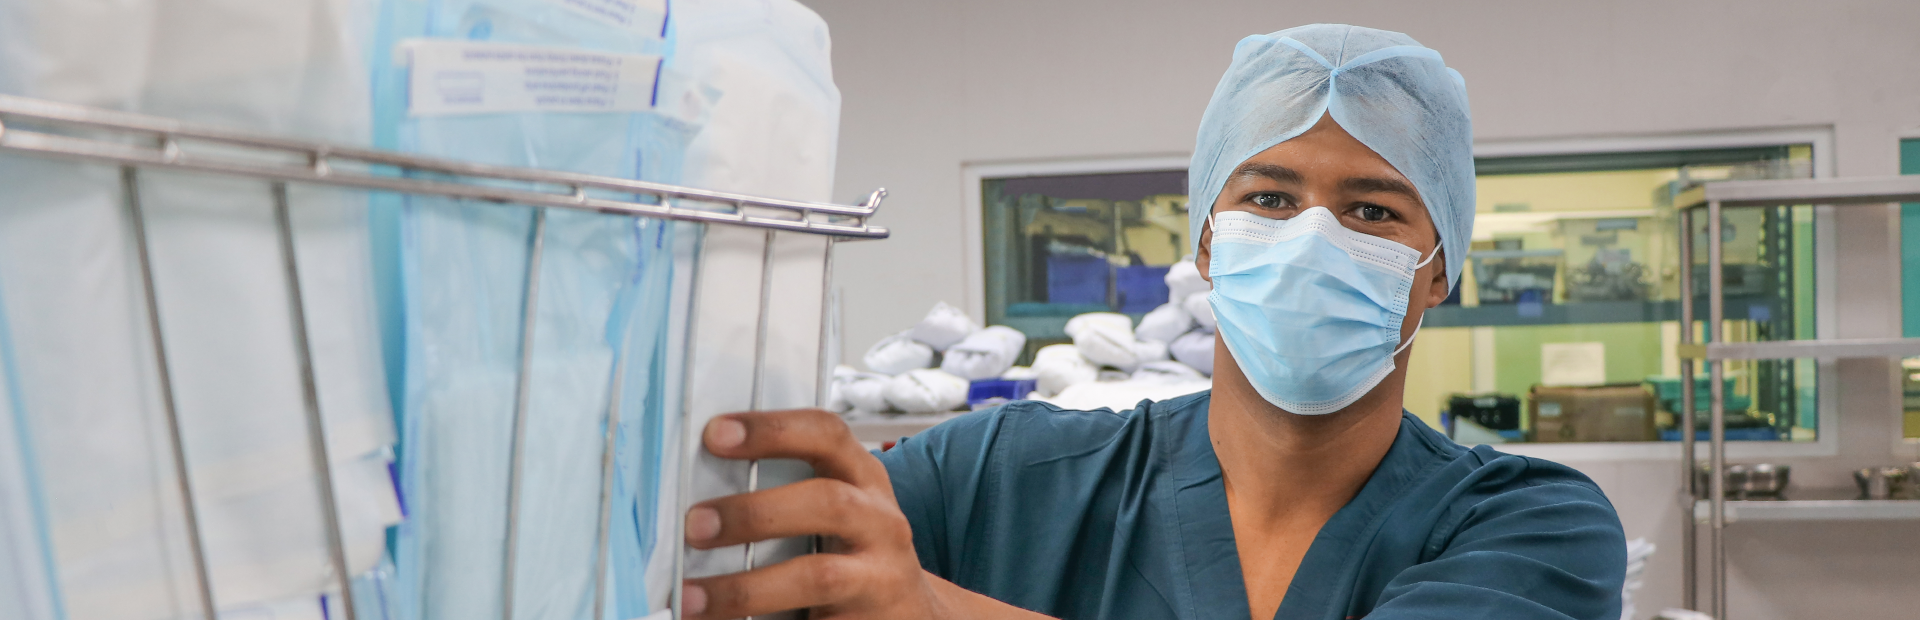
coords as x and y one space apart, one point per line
1394 95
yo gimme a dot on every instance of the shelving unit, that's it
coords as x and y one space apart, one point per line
1713 198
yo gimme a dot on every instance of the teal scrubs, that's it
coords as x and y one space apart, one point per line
1104 515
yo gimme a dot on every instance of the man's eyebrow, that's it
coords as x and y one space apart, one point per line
1274 172
1367 185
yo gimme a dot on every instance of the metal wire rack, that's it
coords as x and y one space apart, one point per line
50 129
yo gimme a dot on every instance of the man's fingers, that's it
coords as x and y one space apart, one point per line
817 437
821 506
805 581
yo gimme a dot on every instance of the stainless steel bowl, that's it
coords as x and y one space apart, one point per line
1882 482
1749 481
1763 480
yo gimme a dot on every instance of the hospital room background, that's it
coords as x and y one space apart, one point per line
304 315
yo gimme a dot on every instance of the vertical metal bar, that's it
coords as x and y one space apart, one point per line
826 321
760 364
516 454
1689 535
614 394
130 189
1717 430
686 415
310 393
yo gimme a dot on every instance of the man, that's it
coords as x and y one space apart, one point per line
1332 185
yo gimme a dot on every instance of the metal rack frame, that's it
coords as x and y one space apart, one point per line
1713 198
132 141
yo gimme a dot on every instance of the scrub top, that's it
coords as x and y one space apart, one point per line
1098 514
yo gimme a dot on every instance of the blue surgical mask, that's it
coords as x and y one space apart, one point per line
1311 311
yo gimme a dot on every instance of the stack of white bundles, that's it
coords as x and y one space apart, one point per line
1184 281
866 392
1020 373
1202 311
986 354
1106 339
1164 323
1118 395
1166 372
944 327
926 391
1638 551
1056 367
1194 349
844 376
897 354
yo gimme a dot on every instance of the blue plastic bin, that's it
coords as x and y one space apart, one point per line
1076 279
984 393
1142 287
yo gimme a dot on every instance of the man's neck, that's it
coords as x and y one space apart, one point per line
1280 467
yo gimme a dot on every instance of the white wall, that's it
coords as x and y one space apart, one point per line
930 86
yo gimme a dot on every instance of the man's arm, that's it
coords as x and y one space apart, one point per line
1550 551
868 570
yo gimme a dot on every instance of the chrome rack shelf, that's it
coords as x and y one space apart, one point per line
281 159
1713 198
40 128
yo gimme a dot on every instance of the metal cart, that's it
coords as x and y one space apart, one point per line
1715 352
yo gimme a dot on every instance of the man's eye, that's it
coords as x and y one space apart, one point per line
1269 201
1374 213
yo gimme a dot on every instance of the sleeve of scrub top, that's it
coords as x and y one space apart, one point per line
1549 550
941 472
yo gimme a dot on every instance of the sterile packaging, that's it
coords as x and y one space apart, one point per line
927 391
1164 323
1183 281
897 354
1201 309
985 354
1194 349
867 392
1058 366
944 327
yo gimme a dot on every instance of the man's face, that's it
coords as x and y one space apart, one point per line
1327 167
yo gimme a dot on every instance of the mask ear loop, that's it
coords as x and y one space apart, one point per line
1423 315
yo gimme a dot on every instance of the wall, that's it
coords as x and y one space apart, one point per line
930 86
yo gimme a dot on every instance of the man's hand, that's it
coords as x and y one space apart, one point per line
869 569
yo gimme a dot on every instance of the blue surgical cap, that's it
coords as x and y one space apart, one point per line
1392 94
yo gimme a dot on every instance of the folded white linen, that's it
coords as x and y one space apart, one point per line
926 391
1194 349
943 327
897 354
1164 323
985 354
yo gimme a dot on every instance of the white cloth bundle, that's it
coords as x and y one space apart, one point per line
1149 351
1058 366
1122 395
1164 323
1098 320
1202 311
866 392
1183 281
985 354
1194 349
926 391
897 354
844 376
944 327
1166 372
1018 373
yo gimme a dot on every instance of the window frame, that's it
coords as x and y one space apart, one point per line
1821 138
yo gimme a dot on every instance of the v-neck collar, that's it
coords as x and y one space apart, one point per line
1215 587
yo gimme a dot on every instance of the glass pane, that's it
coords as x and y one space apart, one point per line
1568 310
1058 246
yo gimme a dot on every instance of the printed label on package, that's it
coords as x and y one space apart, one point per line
647 16
467 77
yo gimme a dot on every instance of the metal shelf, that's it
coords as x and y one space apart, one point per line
1863 190
1790 349
1813 510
